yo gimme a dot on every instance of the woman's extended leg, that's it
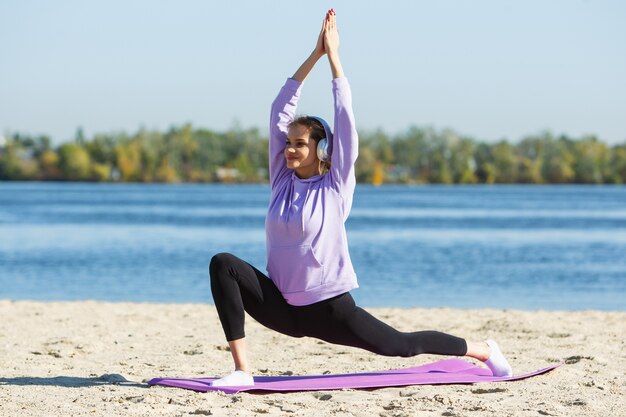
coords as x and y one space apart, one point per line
237 288
350 325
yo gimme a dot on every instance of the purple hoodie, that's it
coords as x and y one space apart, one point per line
307 248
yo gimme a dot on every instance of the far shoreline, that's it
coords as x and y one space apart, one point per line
373 308
264 183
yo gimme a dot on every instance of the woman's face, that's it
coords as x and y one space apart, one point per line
301 152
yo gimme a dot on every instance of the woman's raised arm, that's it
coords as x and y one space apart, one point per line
345 138
319 51
331 43
284 108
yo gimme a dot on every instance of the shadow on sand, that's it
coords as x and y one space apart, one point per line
72 381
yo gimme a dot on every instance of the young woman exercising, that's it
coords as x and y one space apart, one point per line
310 272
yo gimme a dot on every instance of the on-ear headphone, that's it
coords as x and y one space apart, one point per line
324 145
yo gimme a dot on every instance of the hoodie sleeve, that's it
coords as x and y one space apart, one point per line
345 140
282 113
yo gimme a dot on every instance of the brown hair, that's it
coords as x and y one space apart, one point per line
316 132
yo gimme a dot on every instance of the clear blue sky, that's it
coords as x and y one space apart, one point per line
487 69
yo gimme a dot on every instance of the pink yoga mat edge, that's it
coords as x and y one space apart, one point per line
450 371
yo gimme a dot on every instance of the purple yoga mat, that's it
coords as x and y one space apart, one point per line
450 371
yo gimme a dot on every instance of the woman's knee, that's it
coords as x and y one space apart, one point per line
219 263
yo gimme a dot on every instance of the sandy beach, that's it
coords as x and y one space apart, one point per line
94 358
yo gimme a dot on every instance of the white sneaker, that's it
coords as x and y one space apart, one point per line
497 362
236 379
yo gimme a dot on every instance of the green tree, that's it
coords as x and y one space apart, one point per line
530 159
364 166
618 164
100 172
102 149
591 161
557 165
128 161
411 150
245 168
165 172
485 170
440 170
74 162
10 167
505 163
49 165
463 162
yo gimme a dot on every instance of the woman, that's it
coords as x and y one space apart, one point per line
310 272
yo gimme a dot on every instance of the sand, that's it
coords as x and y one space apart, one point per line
93 358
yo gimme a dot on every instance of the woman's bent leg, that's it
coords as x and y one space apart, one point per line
238 287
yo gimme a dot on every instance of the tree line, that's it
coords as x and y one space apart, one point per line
418 155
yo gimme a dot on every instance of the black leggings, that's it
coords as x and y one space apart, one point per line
238 286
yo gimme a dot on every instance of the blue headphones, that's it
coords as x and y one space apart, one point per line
325 145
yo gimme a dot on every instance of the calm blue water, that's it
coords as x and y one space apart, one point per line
529 247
